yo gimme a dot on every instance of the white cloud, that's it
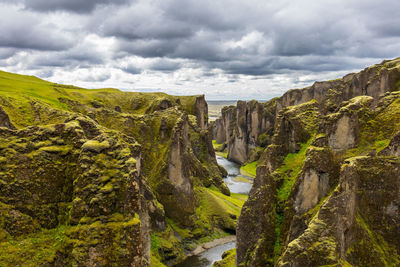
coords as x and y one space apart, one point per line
225 49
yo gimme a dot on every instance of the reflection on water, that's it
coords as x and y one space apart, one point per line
233 170
208 257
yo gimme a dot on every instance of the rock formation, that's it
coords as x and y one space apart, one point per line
251 124
240 128
104 178
327 187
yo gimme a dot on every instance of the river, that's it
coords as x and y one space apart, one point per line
237 184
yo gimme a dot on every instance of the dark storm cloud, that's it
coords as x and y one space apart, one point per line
97 78
165 65
131 69
201 31
83 55
254 37
148 48
78 6
7 52
23 31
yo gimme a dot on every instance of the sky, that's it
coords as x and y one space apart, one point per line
225 49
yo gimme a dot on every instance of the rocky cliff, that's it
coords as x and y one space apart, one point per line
327 187
246 126
104 177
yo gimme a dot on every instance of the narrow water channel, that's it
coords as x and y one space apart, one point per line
237 183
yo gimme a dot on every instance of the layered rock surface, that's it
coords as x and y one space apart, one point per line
327 185
248 125
104 178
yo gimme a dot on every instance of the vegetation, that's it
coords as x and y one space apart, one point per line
217 147
19 95
33 249
289 171
216 218
228 259
249 169
94 140
222 154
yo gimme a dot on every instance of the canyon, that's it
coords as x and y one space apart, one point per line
110 178
327 185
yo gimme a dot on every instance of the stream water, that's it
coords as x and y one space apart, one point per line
235 181
237 184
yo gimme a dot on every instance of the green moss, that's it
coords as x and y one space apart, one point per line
131 161
307 113
216 215
222 154
155 261
216 146
228 259
95 146
33 250
288 172
290 169
56 149
31 101
277 246
264 139
311 213
249 169
378 127
379 248
166 245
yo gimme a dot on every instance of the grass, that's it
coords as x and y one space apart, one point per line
377 130
229 259
290 169
249 169
386 252
214 212
277 246
216 146
234 199
32 250
214 203
222 154
18 92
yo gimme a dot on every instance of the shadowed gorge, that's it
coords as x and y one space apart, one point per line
186 133
104 177
101 177
327 184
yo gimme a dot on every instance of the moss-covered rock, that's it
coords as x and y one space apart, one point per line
330 164
228 259
92 160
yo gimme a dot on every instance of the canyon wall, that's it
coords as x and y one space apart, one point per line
248 125
327 186
103 177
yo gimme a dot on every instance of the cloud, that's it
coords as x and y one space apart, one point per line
7 52
131 69
22 30
165 65
187 46
77 6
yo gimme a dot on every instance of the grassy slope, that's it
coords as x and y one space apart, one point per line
249 169
17 92
376 128
215 209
